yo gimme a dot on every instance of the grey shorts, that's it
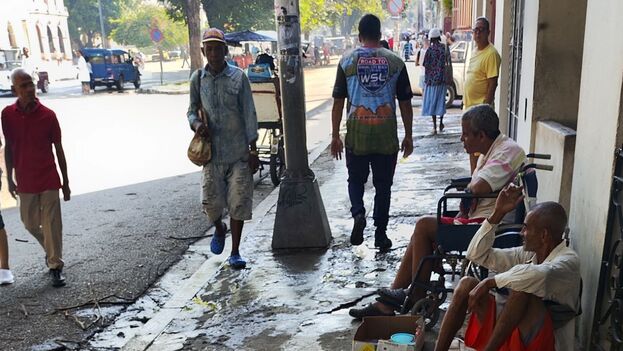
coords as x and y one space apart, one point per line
227 186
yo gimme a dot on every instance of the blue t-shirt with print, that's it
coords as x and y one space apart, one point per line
372 79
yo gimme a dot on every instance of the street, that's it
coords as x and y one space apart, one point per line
113 139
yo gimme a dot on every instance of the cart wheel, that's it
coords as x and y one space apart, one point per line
277 164
428 309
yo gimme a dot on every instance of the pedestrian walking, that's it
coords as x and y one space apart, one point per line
31 130
371 77
6 277
84 73
419 61
223 93
29 65
434 80
185 57
483 70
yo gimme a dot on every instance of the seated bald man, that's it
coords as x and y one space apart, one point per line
500 160
542 279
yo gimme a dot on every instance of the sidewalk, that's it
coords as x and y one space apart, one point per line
296 300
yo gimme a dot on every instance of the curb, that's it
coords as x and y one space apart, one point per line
156 91
147 334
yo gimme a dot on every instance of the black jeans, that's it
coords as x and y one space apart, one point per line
383 167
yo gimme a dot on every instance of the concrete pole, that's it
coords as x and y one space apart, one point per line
99 4
301 220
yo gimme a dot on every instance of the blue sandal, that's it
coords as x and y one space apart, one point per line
218 241
237 262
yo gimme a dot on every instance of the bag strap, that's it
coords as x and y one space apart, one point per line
200 110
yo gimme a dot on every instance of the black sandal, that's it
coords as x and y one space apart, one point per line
368 311
393 297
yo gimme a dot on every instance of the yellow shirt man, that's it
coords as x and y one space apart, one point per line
484 64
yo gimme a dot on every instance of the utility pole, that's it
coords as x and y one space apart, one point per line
99 4
301 220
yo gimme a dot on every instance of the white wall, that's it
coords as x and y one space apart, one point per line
502 40
559 60
559 141
530 30
598 125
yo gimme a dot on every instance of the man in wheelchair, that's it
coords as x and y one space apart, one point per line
501 159
541 278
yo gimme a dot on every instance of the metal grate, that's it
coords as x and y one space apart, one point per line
608 318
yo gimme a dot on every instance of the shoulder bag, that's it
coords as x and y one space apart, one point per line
200 148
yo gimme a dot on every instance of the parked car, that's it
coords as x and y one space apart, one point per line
112 67
175 54
10 60
460 52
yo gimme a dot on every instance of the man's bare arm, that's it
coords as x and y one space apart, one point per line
336 118
492 84
479 186
62 164
406 111
8 159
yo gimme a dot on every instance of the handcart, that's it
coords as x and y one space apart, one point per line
267 98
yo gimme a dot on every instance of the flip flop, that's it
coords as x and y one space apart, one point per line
218 241
237 262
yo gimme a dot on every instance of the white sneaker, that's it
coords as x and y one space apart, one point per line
6 277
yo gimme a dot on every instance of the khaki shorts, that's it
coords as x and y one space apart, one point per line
227 186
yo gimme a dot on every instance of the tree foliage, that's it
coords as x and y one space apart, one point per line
232 15
342 14
134 25
188 11
447 7
84 18
238 15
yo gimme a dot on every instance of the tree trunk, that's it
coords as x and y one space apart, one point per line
193 19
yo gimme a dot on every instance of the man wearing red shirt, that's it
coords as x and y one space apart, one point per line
30 129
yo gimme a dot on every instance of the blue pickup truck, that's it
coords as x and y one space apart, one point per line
111 67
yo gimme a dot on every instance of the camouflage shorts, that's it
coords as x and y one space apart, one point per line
228 186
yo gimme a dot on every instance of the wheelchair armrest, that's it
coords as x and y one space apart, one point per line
539 156
442 203
507 236
458 183
509 228
468 196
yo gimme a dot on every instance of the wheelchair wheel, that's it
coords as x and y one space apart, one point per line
428 309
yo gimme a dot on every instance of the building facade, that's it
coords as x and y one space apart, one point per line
560 92
40 26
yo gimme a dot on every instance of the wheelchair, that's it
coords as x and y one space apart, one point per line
453 239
